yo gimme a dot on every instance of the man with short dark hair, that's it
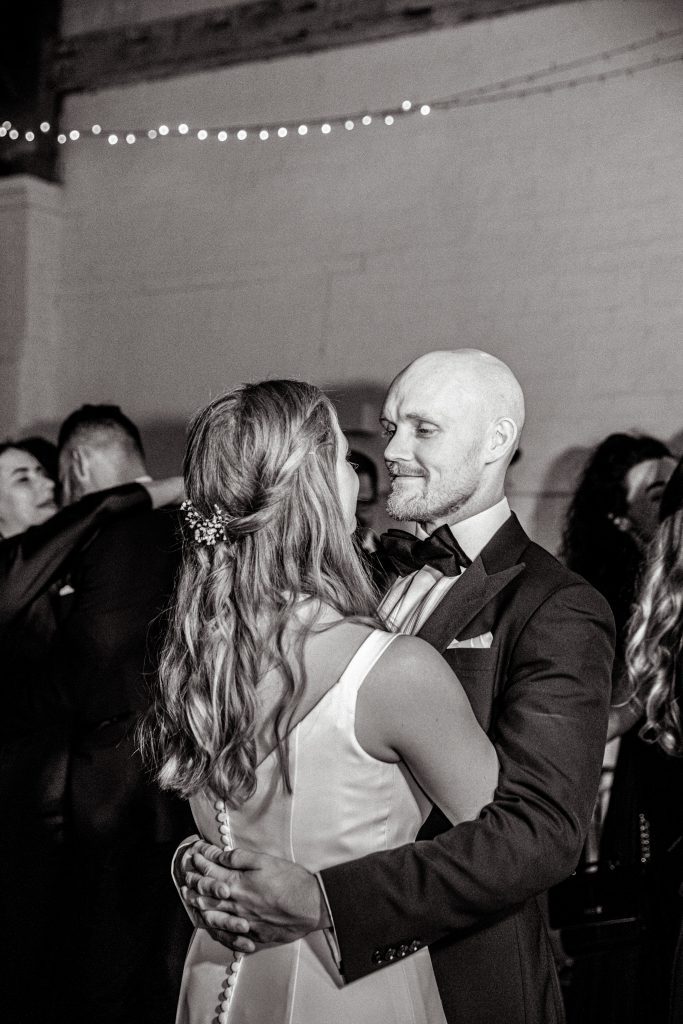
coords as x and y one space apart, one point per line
128 934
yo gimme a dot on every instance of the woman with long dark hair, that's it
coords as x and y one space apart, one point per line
654 658
600 909
612 516
292 720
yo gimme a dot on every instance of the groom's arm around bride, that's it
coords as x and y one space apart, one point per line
538 675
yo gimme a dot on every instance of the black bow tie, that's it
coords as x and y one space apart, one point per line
440 550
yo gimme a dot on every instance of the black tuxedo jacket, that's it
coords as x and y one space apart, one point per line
542 692
109 643
35 722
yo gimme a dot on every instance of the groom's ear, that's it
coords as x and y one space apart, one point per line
503 440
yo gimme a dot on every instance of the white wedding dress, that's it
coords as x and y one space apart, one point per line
344 804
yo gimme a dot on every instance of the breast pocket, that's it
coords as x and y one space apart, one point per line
476 670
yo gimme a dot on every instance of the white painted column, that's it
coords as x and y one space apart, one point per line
30 259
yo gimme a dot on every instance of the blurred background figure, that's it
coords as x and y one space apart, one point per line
46 453
606 911
613 515
33 760
653 658
27 491
368 493
39 550
130 936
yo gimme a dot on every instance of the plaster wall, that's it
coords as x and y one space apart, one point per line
547 230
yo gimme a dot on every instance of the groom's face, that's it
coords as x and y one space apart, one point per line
434 455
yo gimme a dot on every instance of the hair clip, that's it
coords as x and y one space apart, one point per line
205 530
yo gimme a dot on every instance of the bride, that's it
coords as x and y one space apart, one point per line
294 723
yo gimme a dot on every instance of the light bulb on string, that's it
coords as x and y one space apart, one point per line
44 126
406 105
74 135
303 129
202 134
367 119
425 109
152 133
3 131
61 139
29 136
282 132
13 134
183 129
130 138
164 129
326 128
388 119
113 139
7 125
349 125
96 129
263 134
241 135
222 136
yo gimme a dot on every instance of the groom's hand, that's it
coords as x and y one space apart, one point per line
245 898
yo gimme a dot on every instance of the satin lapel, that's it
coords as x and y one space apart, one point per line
464 600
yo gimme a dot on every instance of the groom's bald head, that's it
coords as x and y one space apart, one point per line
484 383
455 418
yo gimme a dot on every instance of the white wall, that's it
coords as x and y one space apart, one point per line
547 230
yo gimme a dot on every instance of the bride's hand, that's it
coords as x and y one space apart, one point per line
244 898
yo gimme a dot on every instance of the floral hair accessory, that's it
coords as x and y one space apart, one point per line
205 530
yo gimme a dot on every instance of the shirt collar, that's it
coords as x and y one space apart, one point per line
473 534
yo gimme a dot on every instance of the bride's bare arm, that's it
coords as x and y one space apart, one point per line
413 708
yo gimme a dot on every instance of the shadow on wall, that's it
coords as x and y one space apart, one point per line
550 506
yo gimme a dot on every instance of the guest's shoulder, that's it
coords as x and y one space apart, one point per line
551 577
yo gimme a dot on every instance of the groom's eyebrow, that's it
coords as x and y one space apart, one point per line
422 417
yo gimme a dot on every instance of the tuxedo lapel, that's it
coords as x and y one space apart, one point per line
465 599
496 566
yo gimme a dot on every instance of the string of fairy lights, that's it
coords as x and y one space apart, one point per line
518 87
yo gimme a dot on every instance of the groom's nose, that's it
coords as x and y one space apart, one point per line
397 449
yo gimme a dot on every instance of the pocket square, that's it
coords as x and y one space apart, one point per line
66 590
481 642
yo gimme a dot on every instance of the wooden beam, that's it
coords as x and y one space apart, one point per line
258 30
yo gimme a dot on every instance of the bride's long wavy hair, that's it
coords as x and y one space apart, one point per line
265 456
654 652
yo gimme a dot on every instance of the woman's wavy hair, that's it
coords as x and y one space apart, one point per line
264 455
592 543
653 651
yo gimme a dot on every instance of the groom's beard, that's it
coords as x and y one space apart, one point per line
420 503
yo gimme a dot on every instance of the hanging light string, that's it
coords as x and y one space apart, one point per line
530 84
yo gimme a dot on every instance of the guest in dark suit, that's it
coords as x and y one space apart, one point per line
129 934
533 646
37 547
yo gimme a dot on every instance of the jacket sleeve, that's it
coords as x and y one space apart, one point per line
31 561
549 730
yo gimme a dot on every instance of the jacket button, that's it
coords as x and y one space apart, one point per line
390 954
377 957
403 950
415 945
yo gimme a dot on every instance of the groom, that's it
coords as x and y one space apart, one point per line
532 644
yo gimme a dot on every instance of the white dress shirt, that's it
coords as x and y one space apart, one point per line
411 599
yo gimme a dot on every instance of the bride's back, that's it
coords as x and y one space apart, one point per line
342 802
